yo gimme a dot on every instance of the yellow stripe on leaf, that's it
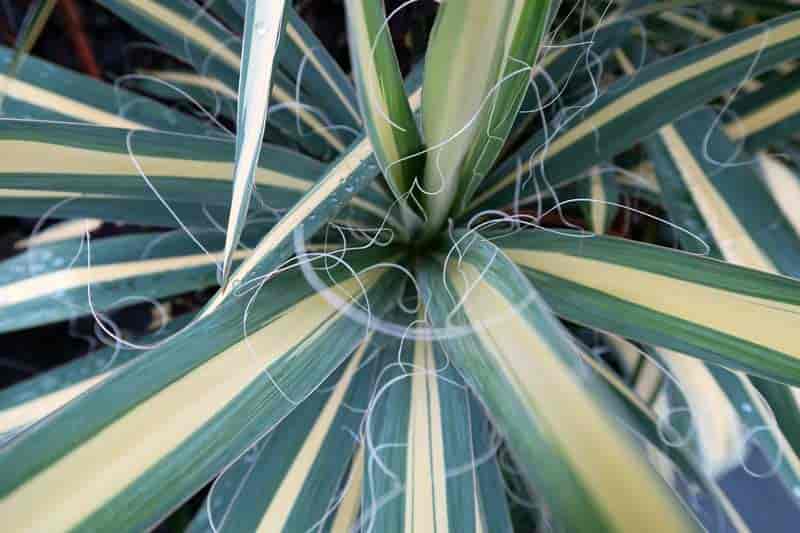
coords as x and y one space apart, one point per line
760 321
26 157
63 105
426 491
70 278
158 425
784 186
764 117
732 238
282 503
594 121
583 432
185 27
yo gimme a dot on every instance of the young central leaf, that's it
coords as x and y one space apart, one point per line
473 89
388 118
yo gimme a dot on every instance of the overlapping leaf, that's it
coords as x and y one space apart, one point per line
739 318
559 421
218 388
638 105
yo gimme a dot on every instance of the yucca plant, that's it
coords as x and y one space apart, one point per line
549 274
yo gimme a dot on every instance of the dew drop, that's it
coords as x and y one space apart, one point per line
747 408
261 29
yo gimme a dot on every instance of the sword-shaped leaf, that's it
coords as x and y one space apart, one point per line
420 458
43 91
31 400
767 117
388 117
262 33
291 480
740 217
344 178
738 317
189 407
559 420
639 105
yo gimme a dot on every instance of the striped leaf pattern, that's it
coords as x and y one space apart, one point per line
549 408
754 234
291 480
43 91
637 106
29 401
768 116
740 318
195 37
465 131
253 377
50 283
387 350
428 465
664 438
388 117
262 33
